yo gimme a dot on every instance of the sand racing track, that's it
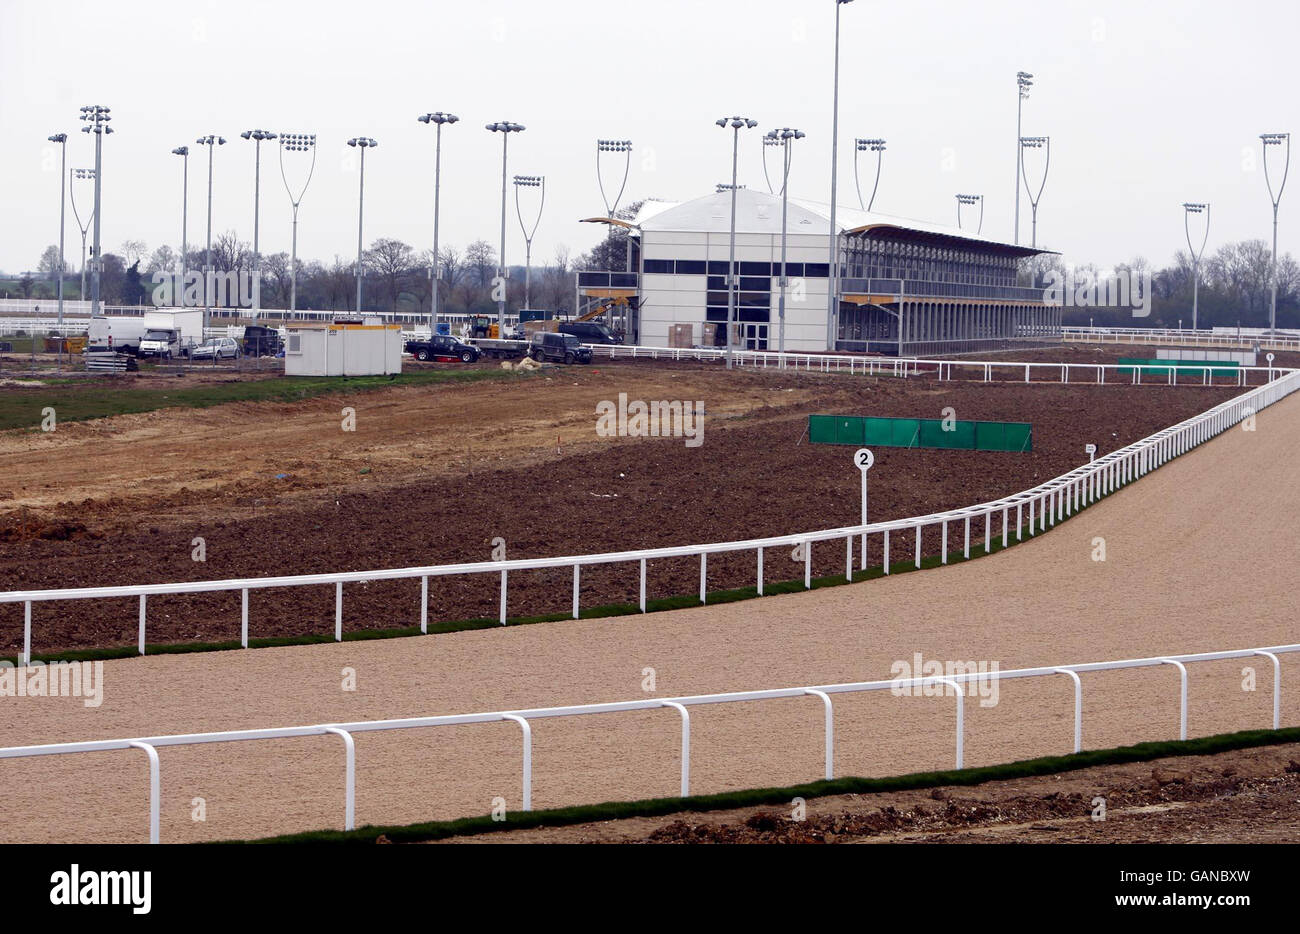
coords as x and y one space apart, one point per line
1194 554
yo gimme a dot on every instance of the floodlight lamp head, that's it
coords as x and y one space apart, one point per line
181 151
58 138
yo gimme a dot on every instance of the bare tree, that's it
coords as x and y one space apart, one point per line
133 251
163 259
229 252
393 261
49 264
481 262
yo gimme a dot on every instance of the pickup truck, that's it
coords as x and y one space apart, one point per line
441 347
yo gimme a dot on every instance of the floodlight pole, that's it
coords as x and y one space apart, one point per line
96 119
437 119
1188 210
363 143
863 145
971 199
84 228
184 153
296 142
833 270
257 136
1024 81
62 140
736 123
784 135
529 181
505 128
212 142
1036 142
1275 139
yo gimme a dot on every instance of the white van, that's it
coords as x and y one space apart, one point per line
113 332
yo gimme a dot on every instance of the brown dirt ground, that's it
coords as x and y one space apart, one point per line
433 475
1243 796
1194 559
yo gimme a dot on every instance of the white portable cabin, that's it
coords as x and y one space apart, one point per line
342 349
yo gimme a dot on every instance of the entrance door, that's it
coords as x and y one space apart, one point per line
755 336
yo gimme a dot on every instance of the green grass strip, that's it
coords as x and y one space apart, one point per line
656 807
73 401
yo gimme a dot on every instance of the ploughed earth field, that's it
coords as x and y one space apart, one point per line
433 474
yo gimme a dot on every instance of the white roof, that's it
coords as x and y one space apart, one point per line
760 212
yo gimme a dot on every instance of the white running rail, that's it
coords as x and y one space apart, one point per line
1035 510
150 744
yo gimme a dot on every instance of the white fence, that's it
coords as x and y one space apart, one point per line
149 744
1218 337
985 370
1044 505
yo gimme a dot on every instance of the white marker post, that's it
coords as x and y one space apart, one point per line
864 459
1269 358
1091 451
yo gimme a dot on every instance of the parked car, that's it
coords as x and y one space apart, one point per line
216 348
590 332
442 347
565 348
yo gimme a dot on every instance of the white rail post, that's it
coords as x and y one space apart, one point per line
350 777
886 558
943 555
140 638
918 544
1004 526
27 633
338 611
1020 525
643 585
807 565
686 747
830 730
155 791
424 604
1182 691
1078 706
961 718
528 757
965 553
502 612
1031 517
848 559
1277 687
988 529
243 617
576 587
704 575
760 570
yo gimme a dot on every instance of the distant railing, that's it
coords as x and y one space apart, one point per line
1219 337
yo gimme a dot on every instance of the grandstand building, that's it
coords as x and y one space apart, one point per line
905 287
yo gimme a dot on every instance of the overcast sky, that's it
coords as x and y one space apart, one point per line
1148 105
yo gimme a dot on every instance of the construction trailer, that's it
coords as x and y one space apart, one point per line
343 348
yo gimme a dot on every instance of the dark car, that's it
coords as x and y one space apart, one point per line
590 332
261 341
565 348
442 347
